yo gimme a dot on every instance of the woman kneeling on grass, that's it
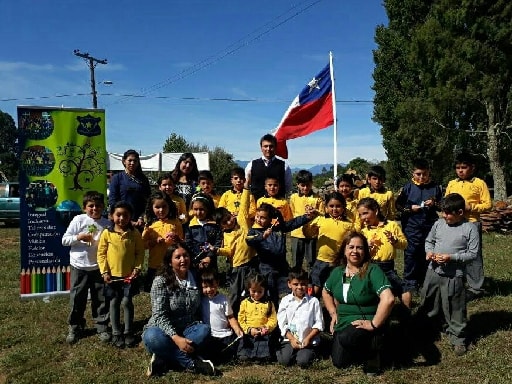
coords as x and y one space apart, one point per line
358 296
175 331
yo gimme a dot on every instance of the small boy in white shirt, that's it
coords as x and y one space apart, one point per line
218 314
82 236
300 320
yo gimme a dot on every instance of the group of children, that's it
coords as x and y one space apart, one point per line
251 235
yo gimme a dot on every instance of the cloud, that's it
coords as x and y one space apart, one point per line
19 65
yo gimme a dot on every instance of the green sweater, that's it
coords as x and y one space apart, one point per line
362 296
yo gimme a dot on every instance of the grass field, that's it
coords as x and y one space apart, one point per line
33 348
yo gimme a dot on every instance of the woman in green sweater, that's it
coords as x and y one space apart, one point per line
358 296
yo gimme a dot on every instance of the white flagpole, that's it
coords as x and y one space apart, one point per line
335 121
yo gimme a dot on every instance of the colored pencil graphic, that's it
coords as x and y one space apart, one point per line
59 279
68 278
23 281
33 283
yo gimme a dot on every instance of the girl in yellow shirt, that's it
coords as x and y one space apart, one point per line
163 228
384 238
331 228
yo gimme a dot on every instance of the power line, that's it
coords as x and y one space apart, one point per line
184 98
229 50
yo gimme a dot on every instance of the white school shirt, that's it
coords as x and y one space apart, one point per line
83 255
299 317
215 313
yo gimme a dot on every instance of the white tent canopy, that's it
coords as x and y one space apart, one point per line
158 161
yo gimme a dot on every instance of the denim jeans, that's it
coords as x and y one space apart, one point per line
159 343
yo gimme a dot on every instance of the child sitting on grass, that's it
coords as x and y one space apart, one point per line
222 345
258 320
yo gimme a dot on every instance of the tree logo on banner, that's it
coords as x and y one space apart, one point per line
82 162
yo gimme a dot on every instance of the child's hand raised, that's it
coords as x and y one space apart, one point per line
267 233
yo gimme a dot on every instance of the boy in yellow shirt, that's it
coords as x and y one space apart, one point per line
377 190
271 197
478 200
232 199
304 247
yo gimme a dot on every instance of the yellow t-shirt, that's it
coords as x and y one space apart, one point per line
151 234
255 314
476 194
330 235
235 247
119 253
298 205
231 200
383 249
278 203
385 199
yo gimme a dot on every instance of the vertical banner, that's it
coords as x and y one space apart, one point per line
62 155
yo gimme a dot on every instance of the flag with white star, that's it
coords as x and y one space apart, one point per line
310 111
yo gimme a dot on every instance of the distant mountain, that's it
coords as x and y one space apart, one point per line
314 169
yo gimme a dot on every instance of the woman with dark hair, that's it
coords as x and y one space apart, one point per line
185 176
131 186
175 331
358 297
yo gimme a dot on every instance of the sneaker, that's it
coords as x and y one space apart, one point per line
156 367
204 367
118 341
72 336
129 340
459 350
104 337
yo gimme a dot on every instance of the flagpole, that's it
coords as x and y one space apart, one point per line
335 123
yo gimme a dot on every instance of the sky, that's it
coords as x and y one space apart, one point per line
178 56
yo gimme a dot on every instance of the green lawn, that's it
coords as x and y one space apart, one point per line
33 348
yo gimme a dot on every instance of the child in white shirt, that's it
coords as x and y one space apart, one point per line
300 320
218 314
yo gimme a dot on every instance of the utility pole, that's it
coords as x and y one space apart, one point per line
92 62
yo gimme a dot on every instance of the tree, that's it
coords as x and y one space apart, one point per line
443 83
221 162
9 160
83 162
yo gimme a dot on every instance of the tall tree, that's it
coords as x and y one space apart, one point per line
221 162
443 81
9 160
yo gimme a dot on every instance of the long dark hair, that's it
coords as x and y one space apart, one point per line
341 259
193 175
207 202
138 171
166 270
160 195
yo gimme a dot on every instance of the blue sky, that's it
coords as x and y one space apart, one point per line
265 50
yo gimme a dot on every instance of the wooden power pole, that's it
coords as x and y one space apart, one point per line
91 63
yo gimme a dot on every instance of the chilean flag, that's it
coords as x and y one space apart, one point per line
310 111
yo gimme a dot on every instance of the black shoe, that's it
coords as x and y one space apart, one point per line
204 367
473 295
118 341
129 340
372 366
